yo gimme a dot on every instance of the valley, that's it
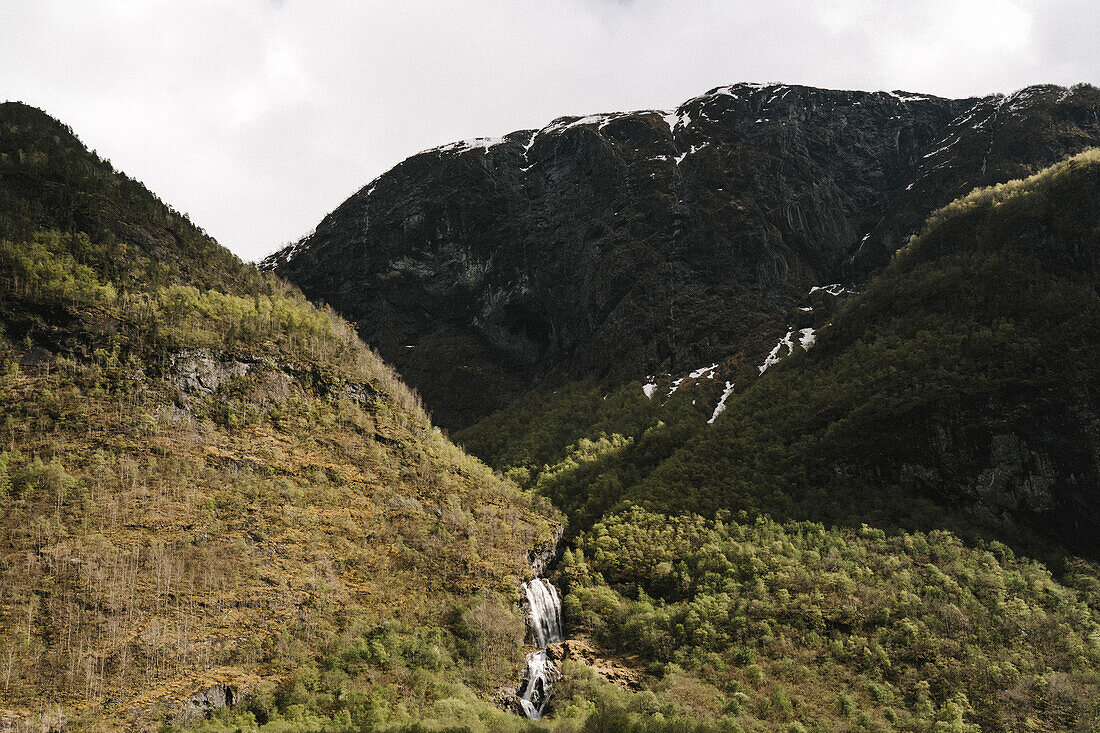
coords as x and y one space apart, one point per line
776 411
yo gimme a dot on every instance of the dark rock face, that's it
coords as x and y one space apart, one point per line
628 243
997 139
1029 463
201 703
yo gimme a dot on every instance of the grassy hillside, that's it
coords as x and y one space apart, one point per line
210 487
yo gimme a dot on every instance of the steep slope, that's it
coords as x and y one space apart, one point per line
617 245
958 390
50 182
211 490
999 139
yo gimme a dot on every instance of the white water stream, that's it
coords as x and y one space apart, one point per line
544 607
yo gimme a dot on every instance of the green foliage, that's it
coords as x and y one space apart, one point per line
50 181
905 620
46 267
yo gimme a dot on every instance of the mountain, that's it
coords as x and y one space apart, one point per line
618 245
958 390
965 372
211 491
999 139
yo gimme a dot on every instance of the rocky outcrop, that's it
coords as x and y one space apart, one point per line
588 654
543 556
507 699
201 371
201 703
1028 464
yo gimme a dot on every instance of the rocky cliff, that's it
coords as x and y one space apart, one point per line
651 241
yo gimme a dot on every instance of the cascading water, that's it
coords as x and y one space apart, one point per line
544 607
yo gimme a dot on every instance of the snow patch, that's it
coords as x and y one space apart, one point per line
904 97
942 148
709 371
600 119
724 92
774 356
806 339
834 289
527 151
287 254
462 146
694 149
564 123
676 118
776 94
721 406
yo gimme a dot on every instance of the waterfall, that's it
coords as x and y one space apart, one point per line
545 605
535 690
544 609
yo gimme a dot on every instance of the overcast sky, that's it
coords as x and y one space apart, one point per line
259 116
